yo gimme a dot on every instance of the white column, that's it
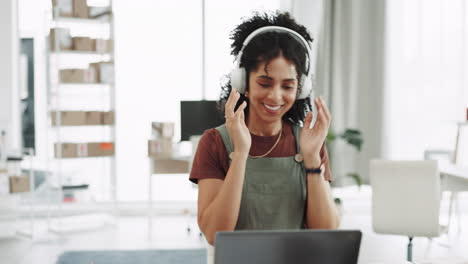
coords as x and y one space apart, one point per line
10 114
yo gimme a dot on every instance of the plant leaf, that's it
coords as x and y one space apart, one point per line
353 137
356 177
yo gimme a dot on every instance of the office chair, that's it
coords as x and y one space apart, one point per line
405 199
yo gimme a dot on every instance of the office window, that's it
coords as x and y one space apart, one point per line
426 75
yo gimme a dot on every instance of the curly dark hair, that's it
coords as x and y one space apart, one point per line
266 47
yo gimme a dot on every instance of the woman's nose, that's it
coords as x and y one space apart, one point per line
275 93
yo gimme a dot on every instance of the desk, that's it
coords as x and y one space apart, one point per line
163 166
454 178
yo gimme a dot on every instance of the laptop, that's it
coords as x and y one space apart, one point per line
281 247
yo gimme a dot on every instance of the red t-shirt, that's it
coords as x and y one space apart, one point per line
211 159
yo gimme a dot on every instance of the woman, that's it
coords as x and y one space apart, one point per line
261 170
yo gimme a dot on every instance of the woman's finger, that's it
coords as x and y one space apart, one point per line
226 105
308 120
240 110
326 111
231 103
322 109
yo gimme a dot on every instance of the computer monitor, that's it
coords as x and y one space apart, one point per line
281 247
198 116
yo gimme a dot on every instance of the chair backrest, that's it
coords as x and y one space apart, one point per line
405 197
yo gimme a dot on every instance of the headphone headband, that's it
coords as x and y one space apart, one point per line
274 29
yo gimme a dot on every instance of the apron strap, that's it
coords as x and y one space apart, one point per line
226 138
297 134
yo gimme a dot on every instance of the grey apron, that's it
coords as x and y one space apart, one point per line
274 191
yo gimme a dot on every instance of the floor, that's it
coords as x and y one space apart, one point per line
132 232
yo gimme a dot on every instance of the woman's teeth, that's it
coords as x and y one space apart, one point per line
272 108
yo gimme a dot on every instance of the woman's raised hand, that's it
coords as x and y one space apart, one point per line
235 123
312 139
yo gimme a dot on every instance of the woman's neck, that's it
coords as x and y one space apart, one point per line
265 130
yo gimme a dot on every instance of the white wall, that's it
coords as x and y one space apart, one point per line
9 61
33 23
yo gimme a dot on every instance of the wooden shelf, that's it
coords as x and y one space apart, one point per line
80 52
84 84
66 21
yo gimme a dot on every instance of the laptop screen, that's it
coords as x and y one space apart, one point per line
281 247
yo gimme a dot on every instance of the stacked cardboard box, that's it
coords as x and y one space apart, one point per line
90 149
63 38
69 118
83 43
80 8
161 148
93 118
83 118
162 130
104 71
170 166
78 76
100 149
19 184
161 152
65 7
103 45
108 118
71 8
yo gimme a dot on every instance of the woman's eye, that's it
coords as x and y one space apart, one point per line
264 85
287 87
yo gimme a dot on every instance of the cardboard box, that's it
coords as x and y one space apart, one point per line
107 118
98 149
81 150
69 150
64 8
161 148
70 118
162 130
77 76
80 8
170 166
93 118
83 43
104 71
19 184
83 118
103 45
64 40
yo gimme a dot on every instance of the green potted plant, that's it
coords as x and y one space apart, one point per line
354 138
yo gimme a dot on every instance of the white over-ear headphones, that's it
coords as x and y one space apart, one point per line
239 74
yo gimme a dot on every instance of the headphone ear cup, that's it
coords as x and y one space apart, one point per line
306 87
238 79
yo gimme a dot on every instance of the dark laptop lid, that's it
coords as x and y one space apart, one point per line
281 247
